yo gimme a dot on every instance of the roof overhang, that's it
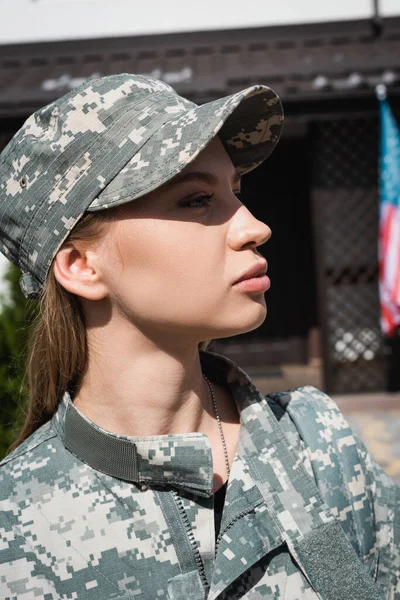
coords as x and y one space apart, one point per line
302 63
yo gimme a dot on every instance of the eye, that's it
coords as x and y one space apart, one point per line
199 202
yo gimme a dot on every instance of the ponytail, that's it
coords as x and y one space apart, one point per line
57 347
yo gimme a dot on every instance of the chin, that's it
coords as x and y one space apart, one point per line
255 322
249 320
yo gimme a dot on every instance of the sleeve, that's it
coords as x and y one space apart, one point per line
363 498
386 508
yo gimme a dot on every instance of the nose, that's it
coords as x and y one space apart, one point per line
247 232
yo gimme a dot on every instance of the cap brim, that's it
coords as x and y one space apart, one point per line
248 123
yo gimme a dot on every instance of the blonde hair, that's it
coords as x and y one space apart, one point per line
57 347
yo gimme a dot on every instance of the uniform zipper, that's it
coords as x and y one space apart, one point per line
193 543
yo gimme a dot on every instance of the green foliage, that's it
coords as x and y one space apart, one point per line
15 318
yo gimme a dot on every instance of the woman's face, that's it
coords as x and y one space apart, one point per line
171 259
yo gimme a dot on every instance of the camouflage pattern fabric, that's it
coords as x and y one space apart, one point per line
91 515
107 142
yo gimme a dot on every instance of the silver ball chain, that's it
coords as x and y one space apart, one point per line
221 431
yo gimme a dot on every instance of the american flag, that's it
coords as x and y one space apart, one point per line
389 227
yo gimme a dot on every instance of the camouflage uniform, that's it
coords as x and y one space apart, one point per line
86 514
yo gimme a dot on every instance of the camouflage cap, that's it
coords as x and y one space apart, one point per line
107 142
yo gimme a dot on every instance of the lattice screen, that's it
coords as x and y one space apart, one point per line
345 203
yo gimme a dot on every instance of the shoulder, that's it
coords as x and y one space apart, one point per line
33 479
308 414
23 474
33 444
29 462
332 449
336 455
308 397
331 443
315 416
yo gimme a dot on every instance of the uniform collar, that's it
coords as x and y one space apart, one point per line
181 461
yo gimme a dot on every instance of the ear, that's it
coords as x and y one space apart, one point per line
77 270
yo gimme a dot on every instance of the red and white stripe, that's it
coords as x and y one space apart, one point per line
389 271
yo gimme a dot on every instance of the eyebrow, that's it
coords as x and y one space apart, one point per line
204 176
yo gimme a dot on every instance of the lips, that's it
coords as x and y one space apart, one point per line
254 280
257 270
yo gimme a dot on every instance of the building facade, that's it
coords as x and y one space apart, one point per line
318 191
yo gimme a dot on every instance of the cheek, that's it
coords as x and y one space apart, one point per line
152 250
176 275
174 260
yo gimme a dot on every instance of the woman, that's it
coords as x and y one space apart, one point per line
121 204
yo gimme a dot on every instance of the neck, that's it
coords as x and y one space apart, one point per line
133 386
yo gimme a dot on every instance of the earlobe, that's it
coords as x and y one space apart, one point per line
76 270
